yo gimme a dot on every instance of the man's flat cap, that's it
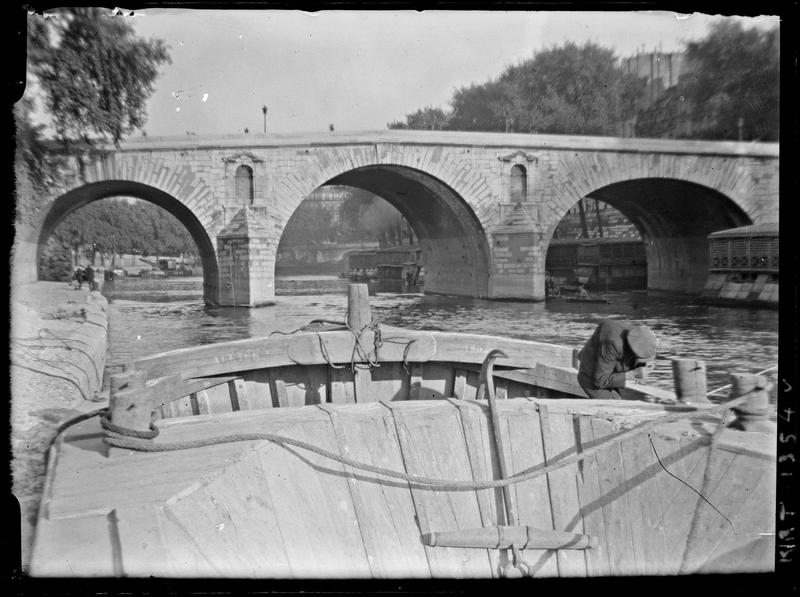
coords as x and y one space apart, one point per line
643 342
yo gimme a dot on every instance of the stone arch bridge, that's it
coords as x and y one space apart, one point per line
484 205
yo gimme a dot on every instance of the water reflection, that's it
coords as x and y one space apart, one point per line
156 315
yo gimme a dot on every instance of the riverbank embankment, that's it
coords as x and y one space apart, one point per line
58 344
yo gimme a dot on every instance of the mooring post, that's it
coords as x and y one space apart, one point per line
358 311
129 402
689 377
753 414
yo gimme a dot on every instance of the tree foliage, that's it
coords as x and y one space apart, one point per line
734 73
117 225
732 78
311 223
95 75
428 118
567 89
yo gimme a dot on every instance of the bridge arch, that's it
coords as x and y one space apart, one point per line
674 217
454 242
80 196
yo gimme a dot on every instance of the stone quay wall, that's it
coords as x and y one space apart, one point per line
58 344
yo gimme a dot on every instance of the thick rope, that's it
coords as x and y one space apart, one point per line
119 440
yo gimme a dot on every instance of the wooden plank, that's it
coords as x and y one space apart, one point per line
435 381
143 551
622 556
705 482
293 386
521 426
647 501
238 392
558 440
634 473
459 383
389 382
675 519
200 402
278 351
219 399
748 546
176 387
180 408
258 391
362 379
433 445
74 547
591 499
501 389
471 388
383 506
184 559
317 386
735 482
484 465
679 513
342 388
231 521
313 504
277 389
416 371
337 348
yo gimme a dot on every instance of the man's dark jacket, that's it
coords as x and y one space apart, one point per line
605 358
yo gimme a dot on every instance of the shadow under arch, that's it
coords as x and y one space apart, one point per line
455 247
674 218
88 193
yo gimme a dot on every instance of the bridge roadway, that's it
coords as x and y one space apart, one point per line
484 205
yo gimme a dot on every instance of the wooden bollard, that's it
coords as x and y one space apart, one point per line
753 414
129 402
505 537
689 377
359 314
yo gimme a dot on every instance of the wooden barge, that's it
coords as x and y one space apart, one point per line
598 263
362 451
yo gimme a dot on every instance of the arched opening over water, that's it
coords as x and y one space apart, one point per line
73 200
673 219
455 250
337 228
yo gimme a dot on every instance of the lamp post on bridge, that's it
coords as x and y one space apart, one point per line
264 111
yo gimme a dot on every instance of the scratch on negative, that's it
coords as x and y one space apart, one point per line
685 483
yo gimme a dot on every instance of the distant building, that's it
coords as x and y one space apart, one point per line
660 110
661 71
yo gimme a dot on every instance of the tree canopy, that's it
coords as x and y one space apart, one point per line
730 87
734 73
94 74
565 89
118 225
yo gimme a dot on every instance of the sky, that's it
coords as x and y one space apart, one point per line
360 70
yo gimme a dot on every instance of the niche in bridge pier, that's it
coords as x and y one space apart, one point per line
246 179
518 176
246 260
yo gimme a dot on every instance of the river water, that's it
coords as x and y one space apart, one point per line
156 315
